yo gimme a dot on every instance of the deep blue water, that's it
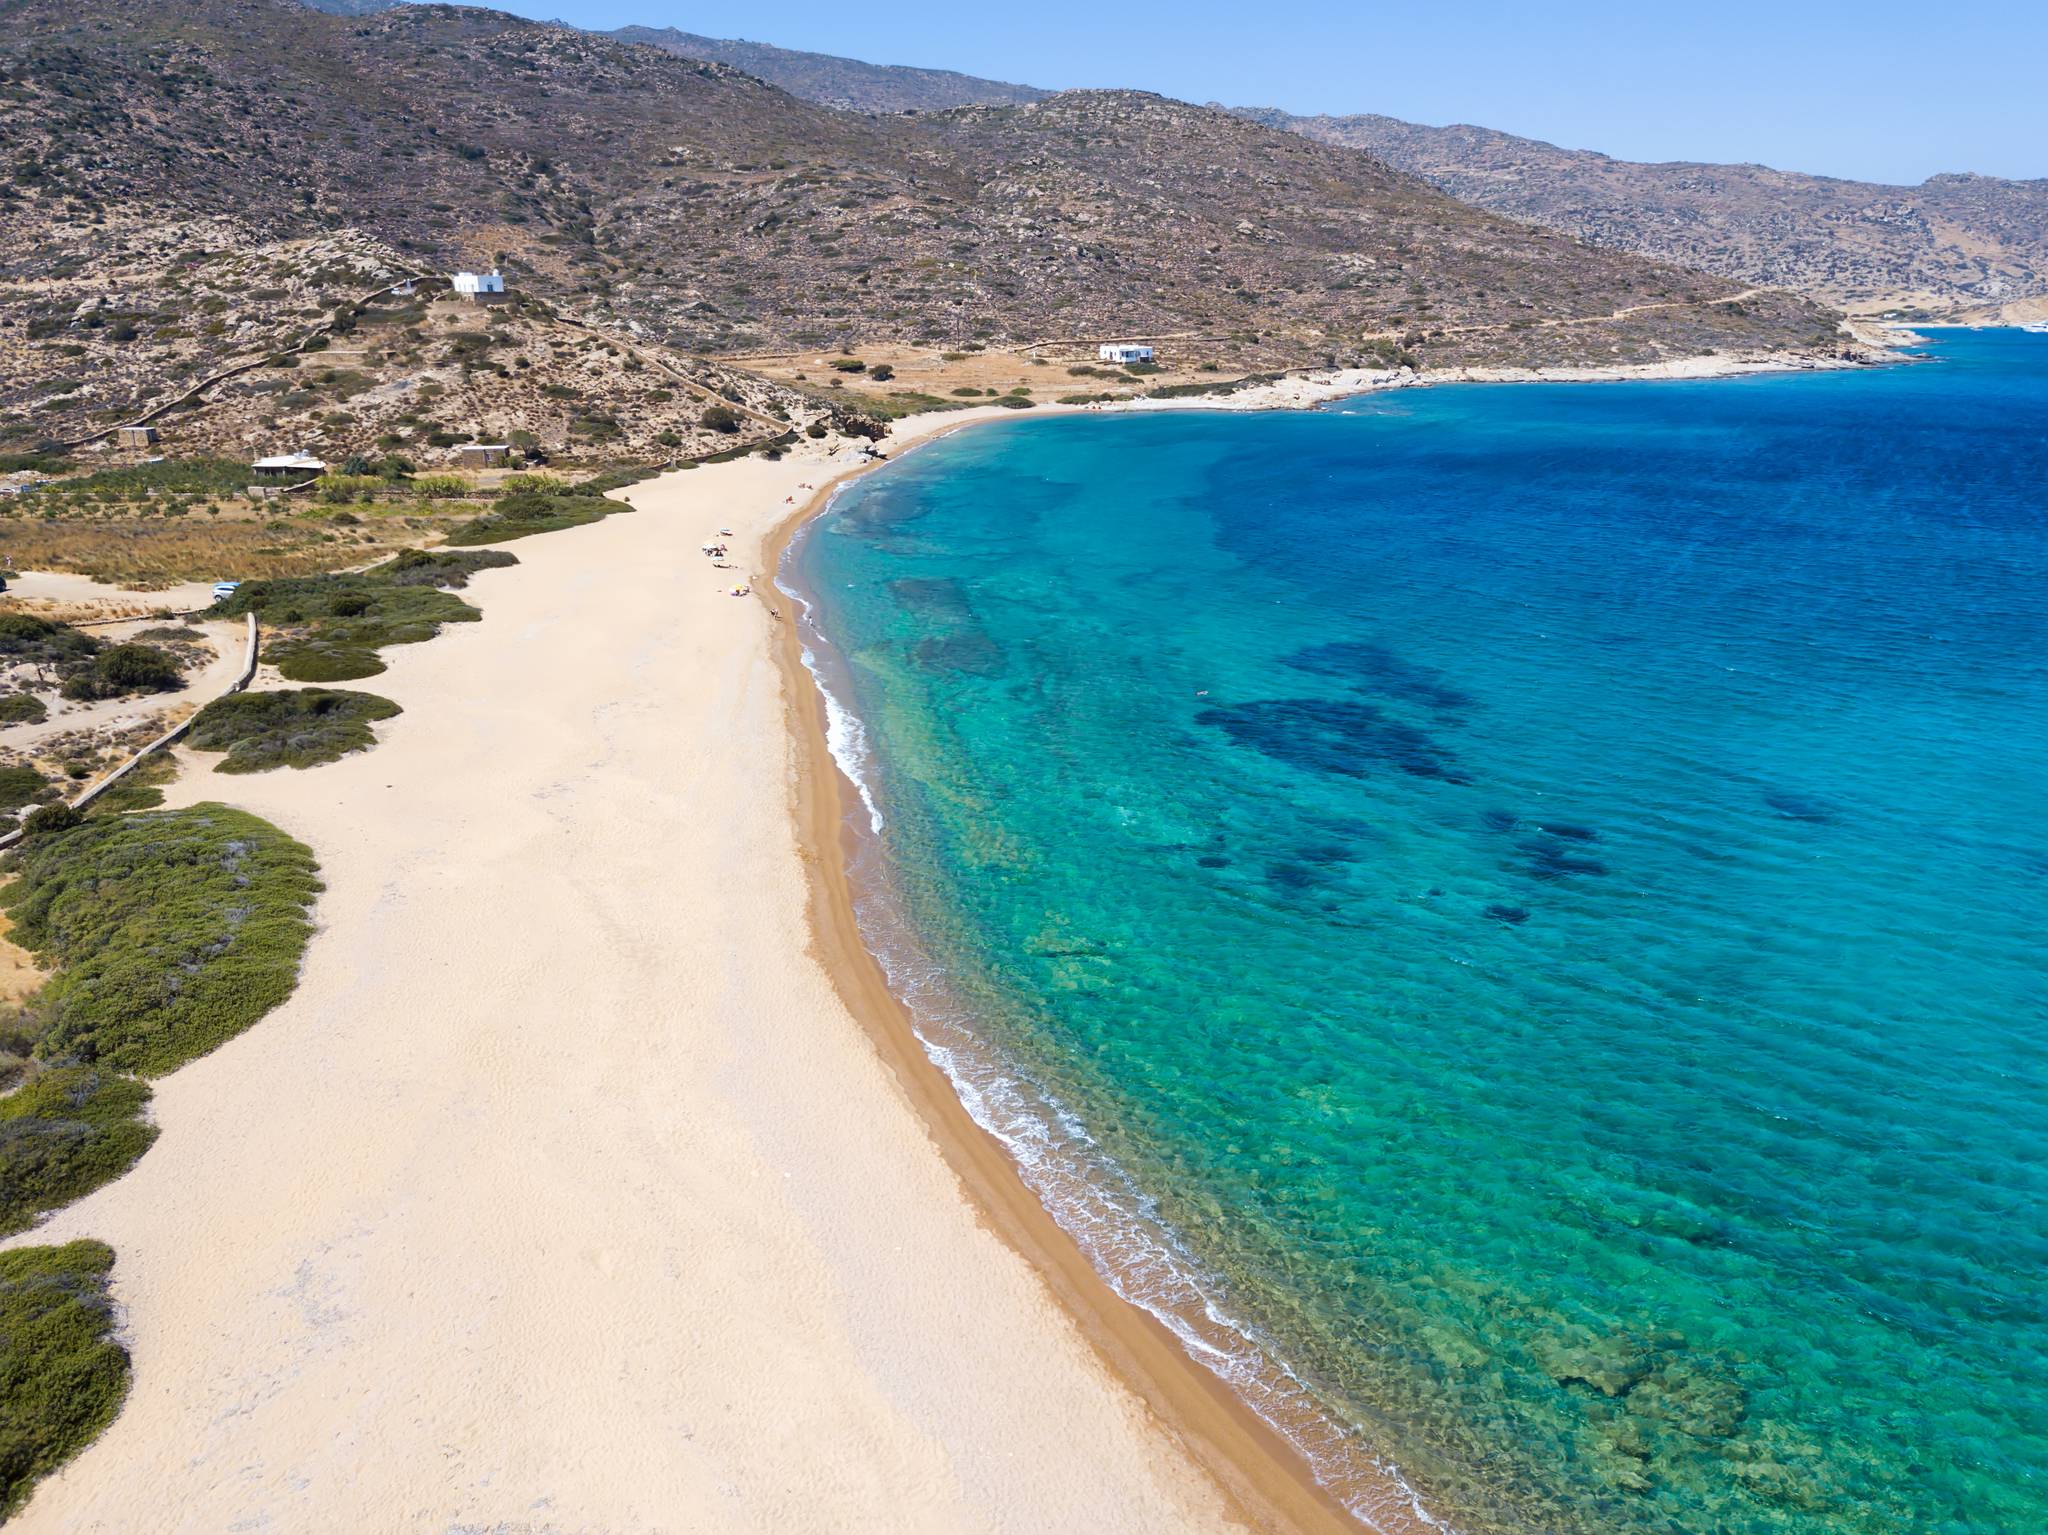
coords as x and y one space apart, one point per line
1513 914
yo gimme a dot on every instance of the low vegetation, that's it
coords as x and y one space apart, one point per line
46 654
63 1134
537 504
51 649
167 932
169 476
164 933
421 567
62 1375
331 627
140 788
118 670
300 728
1220 386
19 783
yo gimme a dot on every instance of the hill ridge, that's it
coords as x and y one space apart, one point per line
1959 241
690 204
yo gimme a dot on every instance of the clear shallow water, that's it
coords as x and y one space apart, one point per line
1514 912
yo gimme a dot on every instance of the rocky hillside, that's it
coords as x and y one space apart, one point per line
1953 242
688 204
824 78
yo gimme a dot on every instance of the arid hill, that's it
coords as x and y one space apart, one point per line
1951 243
690 205
825 78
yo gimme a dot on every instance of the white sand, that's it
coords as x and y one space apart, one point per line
83 592
565 1195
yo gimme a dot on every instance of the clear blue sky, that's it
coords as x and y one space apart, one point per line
1882 90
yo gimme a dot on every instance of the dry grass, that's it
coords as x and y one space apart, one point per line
149 553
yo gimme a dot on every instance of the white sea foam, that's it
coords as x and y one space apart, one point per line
1116 1224
846 737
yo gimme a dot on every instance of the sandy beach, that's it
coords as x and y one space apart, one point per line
566 1194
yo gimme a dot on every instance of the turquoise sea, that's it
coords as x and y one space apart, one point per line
1512 916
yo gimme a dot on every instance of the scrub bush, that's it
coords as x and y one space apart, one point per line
300 729
62 1375
167 932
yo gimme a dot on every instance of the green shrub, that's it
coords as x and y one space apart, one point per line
64 1134
18 784
200 476
317 661
39 642
719 418
521 513
337 489
45 820
421 567
35 461
441 486
140 788
23 709
299 729
337 623
62 1375
123 669
168 932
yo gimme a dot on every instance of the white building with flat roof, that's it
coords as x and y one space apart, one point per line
477 284
1124 352
290 465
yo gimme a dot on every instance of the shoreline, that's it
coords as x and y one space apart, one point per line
573 1188
1244 1453
1261 1471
